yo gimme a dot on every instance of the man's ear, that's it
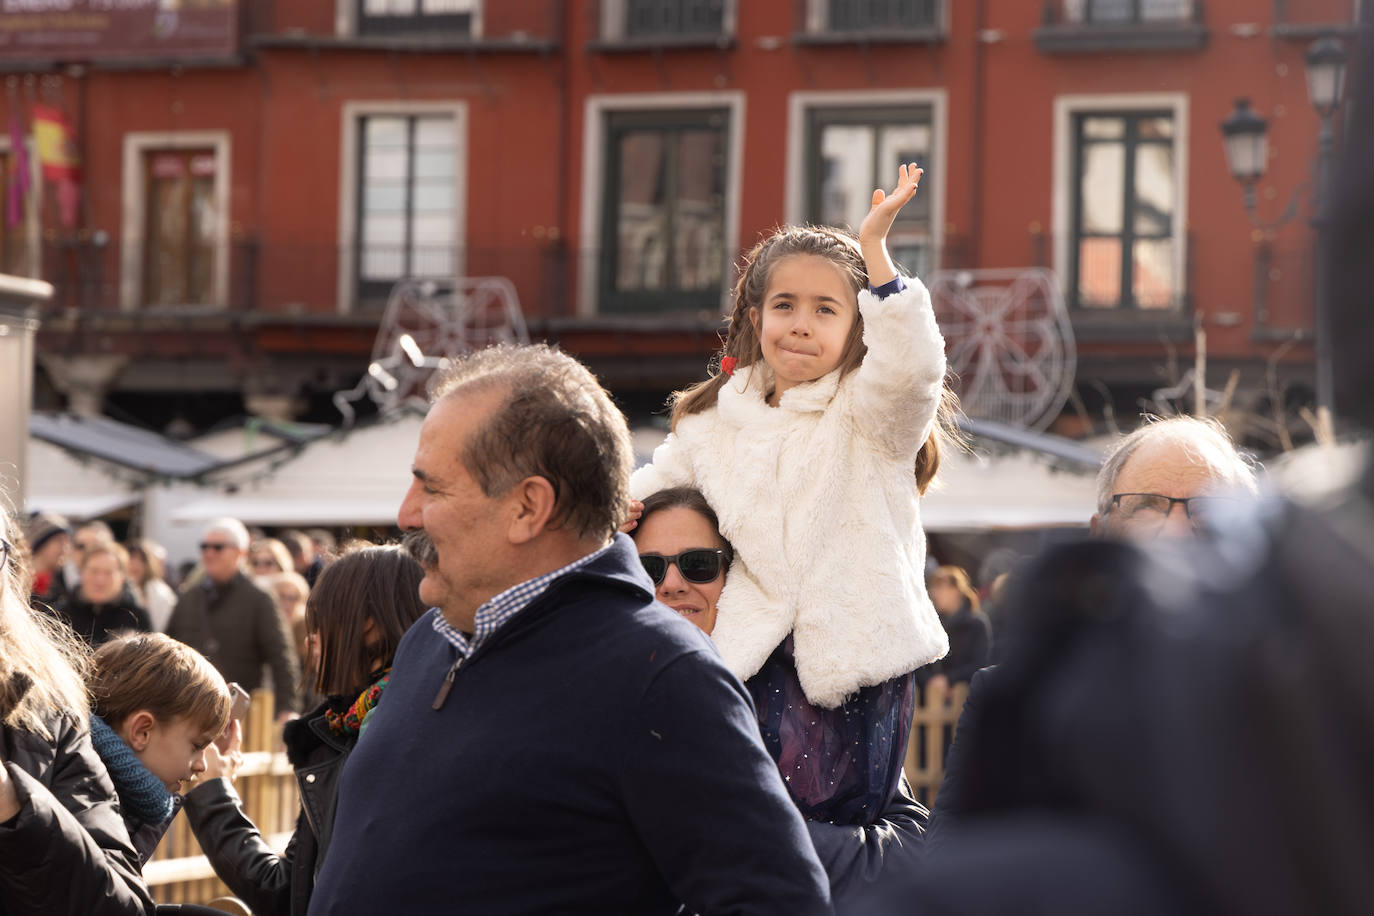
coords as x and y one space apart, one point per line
137 730
1096 527
533 502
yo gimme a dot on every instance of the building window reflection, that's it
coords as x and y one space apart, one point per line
852 151
1124 243
663 236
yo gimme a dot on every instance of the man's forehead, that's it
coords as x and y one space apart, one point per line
1173 466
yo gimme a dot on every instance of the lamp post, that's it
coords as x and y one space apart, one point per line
1245 134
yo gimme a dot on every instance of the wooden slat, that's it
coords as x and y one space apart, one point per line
178 871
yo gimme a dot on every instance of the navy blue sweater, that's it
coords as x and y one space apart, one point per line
593 756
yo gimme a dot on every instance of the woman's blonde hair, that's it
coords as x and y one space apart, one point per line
958 577
742 340
152 671
277 549
42 661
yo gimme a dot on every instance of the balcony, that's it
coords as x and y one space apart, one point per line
1097 26
864 22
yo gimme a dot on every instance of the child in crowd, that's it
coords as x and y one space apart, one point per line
813 443
156 705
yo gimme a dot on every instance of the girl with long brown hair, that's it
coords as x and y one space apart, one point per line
813 443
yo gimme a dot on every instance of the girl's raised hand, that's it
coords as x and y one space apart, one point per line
876 225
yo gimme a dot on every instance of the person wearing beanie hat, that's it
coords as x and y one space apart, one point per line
50 540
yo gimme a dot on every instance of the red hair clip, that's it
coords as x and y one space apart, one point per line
728 364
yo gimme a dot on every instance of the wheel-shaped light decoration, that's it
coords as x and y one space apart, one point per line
427 321
1008 341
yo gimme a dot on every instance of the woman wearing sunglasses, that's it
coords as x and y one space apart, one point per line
866 825
682 550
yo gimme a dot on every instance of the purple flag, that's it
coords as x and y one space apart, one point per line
19 174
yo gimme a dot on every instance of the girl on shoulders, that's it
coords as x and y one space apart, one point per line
813 443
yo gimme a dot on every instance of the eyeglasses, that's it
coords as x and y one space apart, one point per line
5 548
211 545
265 563
699 565
1151 510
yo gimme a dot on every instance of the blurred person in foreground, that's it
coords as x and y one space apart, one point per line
234 622
568 744
358 611
1189 731
64 848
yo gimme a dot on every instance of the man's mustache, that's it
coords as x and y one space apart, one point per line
419 545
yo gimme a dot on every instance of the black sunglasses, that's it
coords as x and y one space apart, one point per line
207 545
699 565
5 548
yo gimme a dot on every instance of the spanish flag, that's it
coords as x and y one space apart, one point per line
56 145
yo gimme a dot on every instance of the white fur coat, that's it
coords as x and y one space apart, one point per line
819 499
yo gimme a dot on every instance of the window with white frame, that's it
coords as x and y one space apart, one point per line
663 218
1124 243
175 236
852 149
394 17
406 200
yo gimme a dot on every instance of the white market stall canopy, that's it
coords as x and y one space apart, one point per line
353 477
60 482
1018 489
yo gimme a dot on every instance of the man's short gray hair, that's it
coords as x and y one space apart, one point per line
1206 438
554 421
231 528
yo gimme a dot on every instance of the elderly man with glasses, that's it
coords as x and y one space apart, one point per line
1167 478
233 622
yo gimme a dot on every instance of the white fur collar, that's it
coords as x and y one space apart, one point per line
745 394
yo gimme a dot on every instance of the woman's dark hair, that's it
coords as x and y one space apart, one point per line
685 498
380 584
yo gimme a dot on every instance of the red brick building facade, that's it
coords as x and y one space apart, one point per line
245 209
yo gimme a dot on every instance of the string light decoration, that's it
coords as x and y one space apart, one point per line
427 321
1008 341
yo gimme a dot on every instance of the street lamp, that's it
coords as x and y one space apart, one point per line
1245 134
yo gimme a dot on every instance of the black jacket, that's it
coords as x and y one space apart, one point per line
67 850
594 755
1184 732
96 623
270 884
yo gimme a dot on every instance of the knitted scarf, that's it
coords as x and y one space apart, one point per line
350 721
141 794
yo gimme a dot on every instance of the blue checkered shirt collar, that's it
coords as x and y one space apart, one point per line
498 611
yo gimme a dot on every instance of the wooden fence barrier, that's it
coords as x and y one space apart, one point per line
179 871
932 732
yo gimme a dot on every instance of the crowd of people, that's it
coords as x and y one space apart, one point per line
688 688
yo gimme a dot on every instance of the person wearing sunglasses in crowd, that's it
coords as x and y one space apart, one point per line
64 847
234 622
268 557
679 542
